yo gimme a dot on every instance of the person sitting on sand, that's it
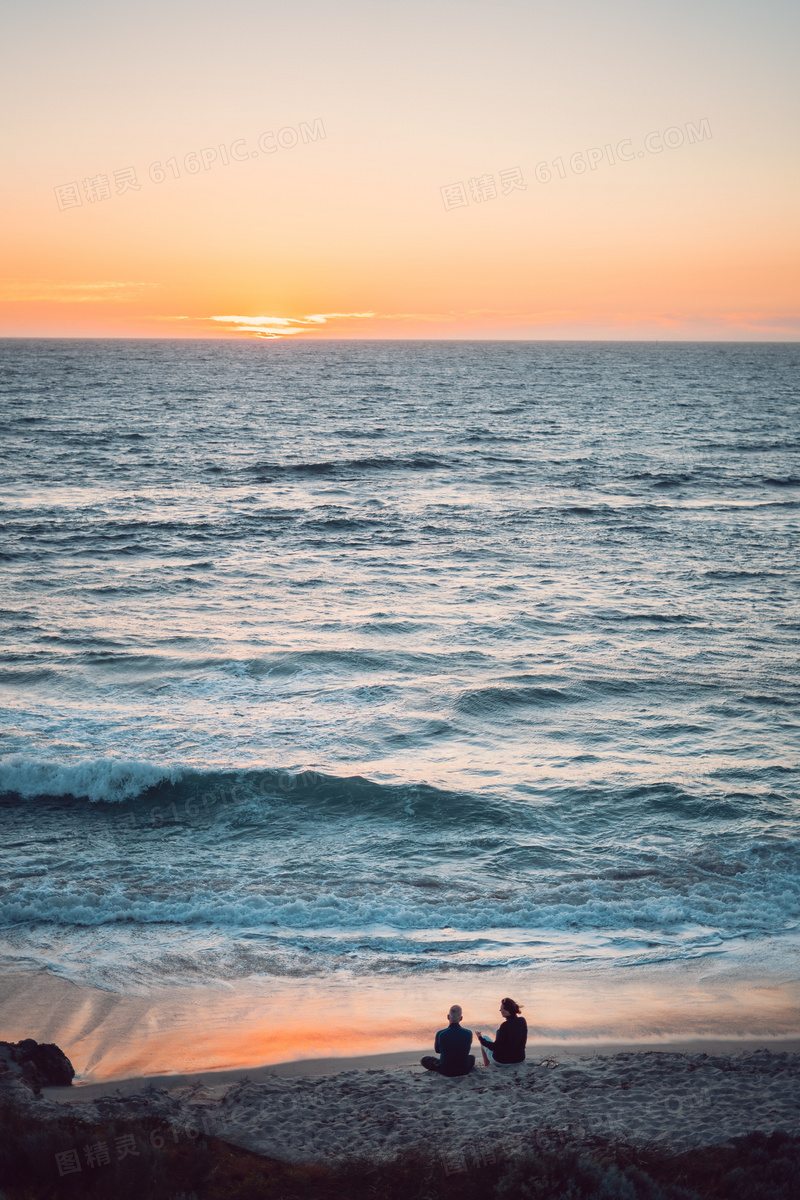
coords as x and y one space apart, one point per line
452 1045
509 1044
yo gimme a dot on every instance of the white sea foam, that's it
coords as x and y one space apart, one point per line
109 779
171 895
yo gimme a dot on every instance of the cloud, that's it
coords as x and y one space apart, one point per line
276 327
17 291
780 322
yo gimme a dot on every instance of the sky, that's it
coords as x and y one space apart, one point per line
388 169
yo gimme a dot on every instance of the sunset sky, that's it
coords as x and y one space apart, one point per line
343 123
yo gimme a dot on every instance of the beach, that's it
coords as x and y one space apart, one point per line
679 1092
679 1099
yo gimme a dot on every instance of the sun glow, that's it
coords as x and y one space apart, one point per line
278 327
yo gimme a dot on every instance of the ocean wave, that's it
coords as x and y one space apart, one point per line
415 462
257 792
111 780
257 796
726 898
485 701
528 692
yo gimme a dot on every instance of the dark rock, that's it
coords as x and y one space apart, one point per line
36 1064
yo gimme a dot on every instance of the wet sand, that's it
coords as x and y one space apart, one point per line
307 1068
260 1023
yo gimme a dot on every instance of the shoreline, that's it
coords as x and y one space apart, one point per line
315 1026
311 1068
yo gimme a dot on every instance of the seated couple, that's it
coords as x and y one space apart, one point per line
453 1043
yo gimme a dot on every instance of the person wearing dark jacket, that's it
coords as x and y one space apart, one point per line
509 1044
452 1045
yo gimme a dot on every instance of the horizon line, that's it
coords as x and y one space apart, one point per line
255 341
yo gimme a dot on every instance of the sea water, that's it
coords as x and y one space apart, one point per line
346 660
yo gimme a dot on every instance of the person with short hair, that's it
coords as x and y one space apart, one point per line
508 1047
452 1045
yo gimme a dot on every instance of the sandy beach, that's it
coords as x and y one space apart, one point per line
678 1099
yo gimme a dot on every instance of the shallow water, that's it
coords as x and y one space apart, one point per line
393 659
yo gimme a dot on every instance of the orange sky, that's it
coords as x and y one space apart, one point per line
675 216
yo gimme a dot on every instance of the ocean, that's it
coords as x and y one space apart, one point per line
363 660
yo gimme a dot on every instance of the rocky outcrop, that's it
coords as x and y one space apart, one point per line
35 1064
